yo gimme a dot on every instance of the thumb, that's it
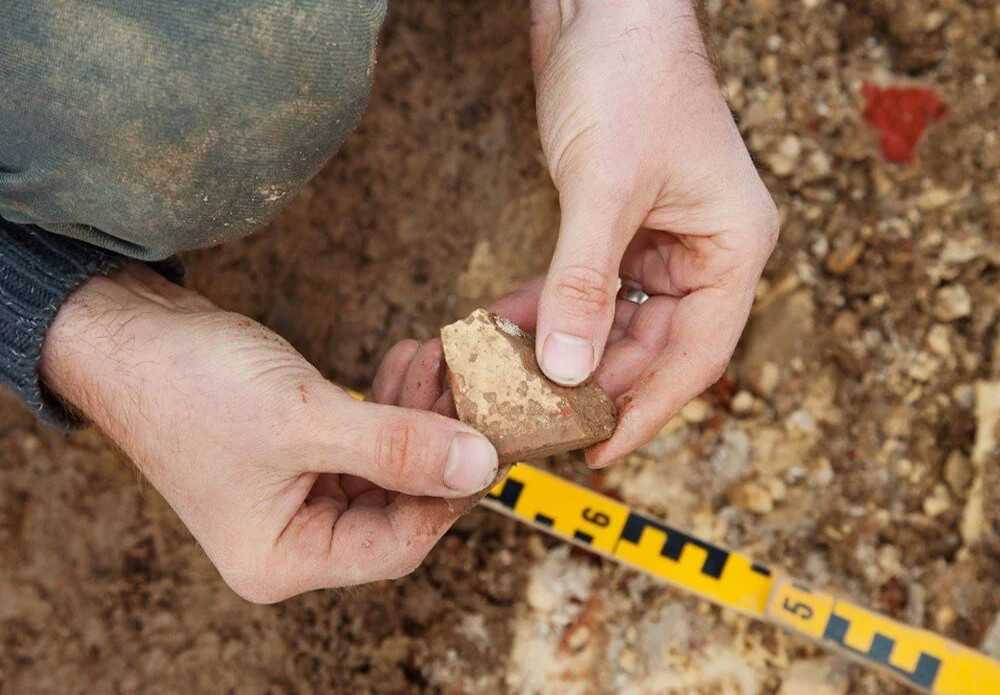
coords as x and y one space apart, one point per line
577 303
412 451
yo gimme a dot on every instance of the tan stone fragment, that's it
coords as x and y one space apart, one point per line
500 390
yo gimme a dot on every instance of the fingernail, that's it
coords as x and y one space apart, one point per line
472 463
567 359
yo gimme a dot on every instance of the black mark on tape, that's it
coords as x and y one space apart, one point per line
923 675
544 520
716 557
509 494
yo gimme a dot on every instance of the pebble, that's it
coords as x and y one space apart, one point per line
743 403
540 597
819 164
897 423
697 411
776 487
890 559
964 396
768 379
628 659
731 458
578 638
752 497
938 502
944 618
820 247
840 261
821 473
904 468
846 324
784 160
923 367
933 20
952 302
935 198
939 339
959 251
802 422
958 472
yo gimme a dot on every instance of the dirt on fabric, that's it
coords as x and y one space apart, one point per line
841 445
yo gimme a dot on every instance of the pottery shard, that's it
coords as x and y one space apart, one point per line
500 390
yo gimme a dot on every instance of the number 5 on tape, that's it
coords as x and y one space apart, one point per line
800 608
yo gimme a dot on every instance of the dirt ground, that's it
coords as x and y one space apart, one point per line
841 445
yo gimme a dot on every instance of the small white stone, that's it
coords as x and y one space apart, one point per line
923 367
790 146
821 474
768 379
939 339
697 411
952 302
958 472
578 638
743 403
752 497
628 659
964 396
938 502
819 164
933 20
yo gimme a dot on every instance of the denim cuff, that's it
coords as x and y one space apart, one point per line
38 271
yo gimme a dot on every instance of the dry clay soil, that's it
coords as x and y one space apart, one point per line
839 446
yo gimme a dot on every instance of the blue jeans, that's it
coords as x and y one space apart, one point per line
149 127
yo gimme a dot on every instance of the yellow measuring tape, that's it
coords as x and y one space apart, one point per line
919 658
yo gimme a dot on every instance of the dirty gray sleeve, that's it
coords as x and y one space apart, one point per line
38 270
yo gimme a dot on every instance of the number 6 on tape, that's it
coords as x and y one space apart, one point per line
575 513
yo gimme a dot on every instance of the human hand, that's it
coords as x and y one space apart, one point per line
656 188
287 482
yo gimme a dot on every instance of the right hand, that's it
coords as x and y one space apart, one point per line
287 482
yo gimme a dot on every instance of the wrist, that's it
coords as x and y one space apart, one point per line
102 346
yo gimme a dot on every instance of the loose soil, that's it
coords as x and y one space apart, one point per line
840 445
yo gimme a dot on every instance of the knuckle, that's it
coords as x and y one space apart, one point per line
766 228
407 564
584 289
400 450
253 585
771 225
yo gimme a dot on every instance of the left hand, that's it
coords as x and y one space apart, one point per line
656 188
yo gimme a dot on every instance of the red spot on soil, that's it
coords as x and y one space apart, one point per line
597 481
901 115
721 392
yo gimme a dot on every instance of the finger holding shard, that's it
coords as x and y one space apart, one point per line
500 390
